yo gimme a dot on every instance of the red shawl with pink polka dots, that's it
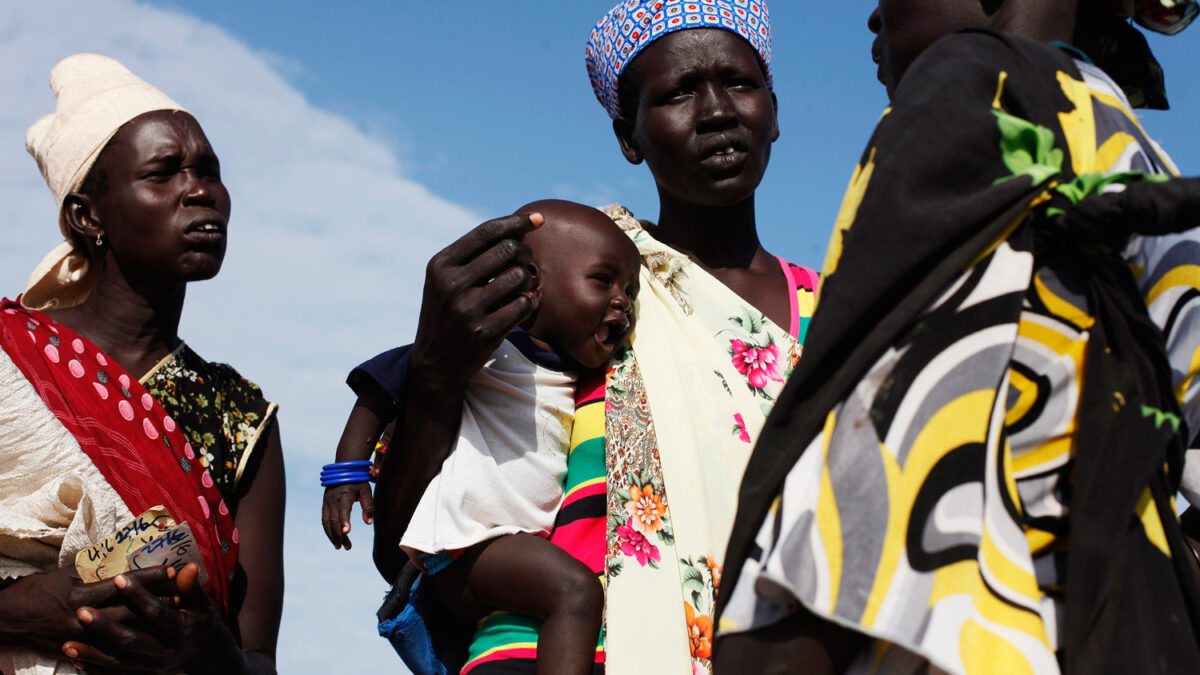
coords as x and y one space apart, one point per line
127 434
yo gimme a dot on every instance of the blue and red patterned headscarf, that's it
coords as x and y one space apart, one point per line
633 24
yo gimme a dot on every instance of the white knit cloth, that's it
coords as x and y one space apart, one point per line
53 501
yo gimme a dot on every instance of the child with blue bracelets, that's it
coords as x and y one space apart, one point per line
480 528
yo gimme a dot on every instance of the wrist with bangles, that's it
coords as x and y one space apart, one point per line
345 473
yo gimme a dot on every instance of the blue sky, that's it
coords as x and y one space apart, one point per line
489 105
358 138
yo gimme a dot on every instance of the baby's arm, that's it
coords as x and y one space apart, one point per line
526 574
371 414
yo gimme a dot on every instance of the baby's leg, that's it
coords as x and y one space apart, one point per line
526 574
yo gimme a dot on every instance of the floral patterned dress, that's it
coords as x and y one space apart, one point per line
684 406
222 413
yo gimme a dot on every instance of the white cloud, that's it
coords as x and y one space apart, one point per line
327 251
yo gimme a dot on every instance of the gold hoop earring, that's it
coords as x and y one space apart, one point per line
99 239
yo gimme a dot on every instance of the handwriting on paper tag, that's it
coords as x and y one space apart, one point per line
176 547
107 559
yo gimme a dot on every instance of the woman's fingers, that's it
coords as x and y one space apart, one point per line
85 654
147 605
513 313
500 257
486 235
510 284
465 286
494 279
159 580
102 593
121 639
188 583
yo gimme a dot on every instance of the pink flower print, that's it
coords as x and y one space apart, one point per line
634 545
758 364
739 427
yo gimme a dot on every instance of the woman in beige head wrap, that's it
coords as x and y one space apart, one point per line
141 487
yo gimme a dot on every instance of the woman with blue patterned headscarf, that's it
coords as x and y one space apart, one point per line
973 469
688 85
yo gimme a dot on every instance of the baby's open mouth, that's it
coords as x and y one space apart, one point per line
612 331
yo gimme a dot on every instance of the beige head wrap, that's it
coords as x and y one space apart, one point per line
96 96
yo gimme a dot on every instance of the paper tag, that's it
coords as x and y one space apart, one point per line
176 547
107 559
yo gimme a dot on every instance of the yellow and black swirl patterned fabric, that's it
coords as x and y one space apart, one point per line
974 463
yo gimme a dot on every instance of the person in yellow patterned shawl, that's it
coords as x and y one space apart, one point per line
973 469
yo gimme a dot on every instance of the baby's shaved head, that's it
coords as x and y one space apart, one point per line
562 217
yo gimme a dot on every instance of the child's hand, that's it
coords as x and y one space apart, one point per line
335 511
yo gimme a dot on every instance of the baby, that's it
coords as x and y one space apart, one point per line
479 529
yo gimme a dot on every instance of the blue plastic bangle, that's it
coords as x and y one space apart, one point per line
339 474
357 464
345 480
342 474
329 472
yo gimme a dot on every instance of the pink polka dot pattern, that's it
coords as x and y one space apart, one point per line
235 535
63 350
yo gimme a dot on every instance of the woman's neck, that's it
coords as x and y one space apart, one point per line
714 237
138 329
1039 20
724 242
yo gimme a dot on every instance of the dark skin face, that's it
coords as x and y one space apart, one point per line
156 197
586 272
906 28
163 211
704 120
699 112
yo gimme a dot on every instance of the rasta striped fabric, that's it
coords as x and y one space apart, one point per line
579 530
